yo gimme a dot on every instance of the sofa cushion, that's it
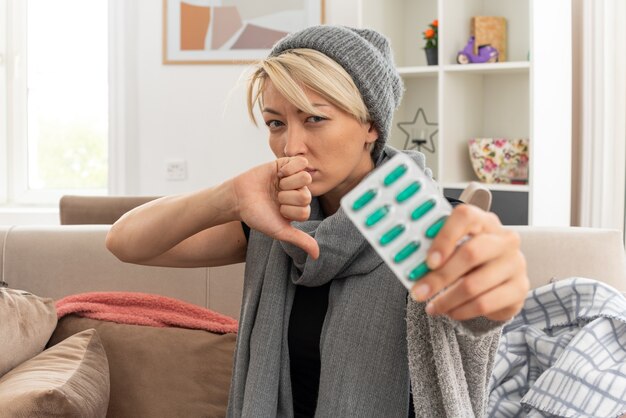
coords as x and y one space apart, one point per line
70 379
161 372
26 323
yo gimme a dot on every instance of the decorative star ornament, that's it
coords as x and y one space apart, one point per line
421 115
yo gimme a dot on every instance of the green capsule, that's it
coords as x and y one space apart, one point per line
423 209
392 234
433 230
418 272
408 249
395 174
408 191
364 200
377 215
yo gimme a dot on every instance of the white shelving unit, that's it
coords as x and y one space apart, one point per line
528 96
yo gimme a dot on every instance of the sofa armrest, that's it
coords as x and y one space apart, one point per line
555 253
56 261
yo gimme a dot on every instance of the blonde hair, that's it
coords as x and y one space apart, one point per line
297 68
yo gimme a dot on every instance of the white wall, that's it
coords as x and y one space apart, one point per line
191 112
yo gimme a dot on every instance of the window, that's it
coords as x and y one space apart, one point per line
54 74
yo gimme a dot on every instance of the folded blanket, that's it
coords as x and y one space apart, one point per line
564 354
144 309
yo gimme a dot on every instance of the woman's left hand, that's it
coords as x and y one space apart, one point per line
484 276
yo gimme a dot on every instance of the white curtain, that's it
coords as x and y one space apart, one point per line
599 113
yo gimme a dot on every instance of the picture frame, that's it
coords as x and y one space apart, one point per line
231 31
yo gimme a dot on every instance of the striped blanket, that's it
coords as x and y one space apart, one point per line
563 355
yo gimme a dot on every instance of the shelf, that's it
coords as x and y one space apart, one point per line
525 96
518 67
499 187
419 71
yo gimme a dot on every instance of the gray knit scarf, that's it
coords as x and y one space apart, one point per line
363 343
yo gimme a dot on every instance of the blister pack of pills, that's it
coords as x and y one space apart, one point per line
399 210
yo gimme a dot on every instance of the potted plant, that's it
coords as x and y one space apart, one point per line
431 36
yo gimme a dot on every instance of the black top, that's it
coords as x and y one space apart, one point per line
305 327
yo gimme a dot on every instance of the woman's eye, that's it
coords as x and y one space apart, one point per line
273 123
316 119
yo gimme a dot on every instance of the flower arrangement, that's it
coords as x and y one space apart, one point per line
431 35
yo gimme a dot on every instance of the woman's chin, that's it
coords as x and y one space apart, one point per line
314 192
317 189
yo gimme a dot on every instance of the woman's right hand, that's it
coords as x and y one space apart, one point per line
270 196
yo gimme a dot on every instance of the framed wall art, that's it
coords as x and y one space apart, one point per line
231 31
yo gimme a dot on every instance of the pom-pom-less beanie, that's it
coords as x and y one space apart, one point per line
366 55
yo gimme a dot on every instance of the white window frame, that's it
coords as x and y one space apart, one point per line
4 181
17 111
123 18
14 190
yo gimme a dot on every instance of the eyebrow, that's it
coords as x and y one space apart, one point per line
275 112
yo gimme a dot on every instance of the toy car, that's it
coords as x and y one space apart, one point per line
486 53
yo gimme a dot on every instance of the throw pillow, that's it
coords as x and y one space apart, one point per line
70 379
26 325
161 372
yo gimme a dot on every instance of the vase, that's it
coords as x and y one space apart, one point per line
431 56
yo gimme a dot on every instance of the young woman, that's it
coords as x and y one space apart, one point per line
325 328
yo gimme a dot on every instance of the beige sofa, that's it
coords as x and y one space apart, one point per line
56 261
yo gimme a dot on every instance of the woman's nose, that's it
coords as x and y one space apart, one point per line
295 144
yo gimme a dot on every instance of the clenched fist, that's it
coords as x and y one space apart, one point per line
270 196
